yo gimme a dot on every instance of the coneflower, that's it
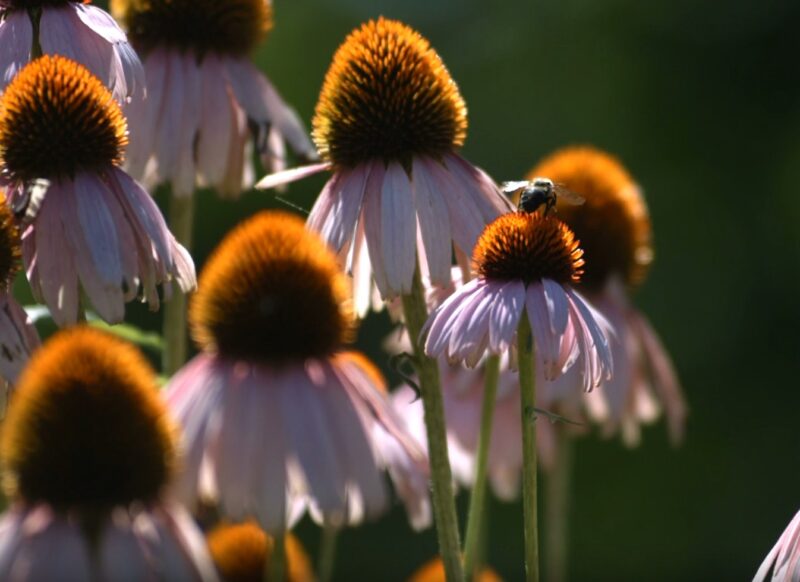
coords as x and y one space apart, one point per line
526 264
274 406
205 98
73 29
95 229
614 228
18 337
389 123
87 451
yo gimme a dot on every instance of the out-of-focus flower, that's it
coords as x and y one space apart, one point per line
526 263
433 571
72 29
204 97
241 553
782 564
18 337
87 450
95 229
613 226
273 412
388 124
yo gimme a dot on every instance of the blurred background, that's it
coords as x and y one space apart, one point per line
701 101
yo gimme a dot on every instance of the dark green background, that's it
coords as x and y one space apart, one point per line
701 100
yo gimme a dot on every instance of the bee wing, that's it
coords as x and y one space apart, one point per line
27 206
567 195
513 187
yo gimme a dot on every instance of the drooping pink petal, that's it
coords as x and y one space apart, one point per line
183 177
16 38
545 340
398 231
438 327
291 175
434 228
144 114
504 316
371 216
782 563
18 337
217 115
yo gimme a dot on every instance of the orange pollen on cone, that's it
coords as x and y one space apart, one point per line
56 119
230 27
272 291
10 251
241 551
613 224
86 428
528 247
387 95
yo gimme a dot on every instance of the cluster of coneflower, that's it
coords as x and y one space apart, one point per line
518 323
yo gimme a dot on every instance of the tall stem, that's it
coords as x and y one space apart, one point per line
181 222
275 566
557 506
444 506
327 553
477 501
527 391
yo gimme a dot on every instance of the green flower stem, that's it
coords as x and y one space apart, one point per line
444 506
527 391
477 502
327 553
275 566
557 505
176 342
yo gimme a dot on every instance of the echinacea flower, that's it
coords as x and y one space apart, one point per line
242 552
18 337
72 29
433 571
388 124
95 230
526 264
273 410
614 228
88 451
204 97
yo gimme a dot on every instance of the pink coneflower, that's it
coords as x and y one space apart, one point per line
87 450
205 98
613 226
273 411
388 124
526 262
782 564
95 229
72 29
18 337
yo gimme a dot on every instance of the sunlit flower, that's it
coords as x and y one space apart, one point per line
18 337
388 124
241 553
526 263
782 564
72 29
88 450
613 226
205 98
95 230
433 571
273 411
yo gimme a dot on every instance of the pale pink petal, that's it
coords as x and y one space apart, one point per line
434 227
437 328
398 231
307 426
217 117
665 379
505 313
782 564
18 338
168 132
372 218
471 327
360 268
144 114
291 175
193 556
16 38
183 180
546 342
347 194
